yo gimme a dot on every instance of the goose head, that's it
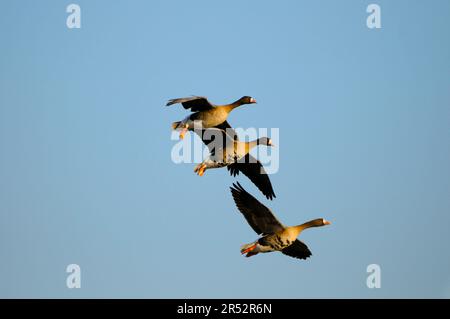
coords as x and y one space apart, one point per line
246 100
265 141
319 222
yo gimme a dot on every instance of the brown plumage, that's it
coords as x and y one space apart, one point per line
275 235
205 114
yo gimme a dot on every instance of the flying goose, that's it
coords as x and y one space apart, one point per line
205 113
226 150
275 235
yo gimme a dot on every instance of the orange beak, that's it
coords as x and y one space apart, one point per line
249 249
252 100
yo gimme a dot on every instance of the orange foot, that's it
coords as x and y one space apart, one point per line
183 131
201 171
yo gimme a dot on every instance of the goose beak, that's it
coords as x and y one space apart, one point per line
252 100
326 222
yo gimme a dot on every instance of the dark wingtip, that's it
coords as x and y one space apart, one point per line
237 189
172 101
271 196
240 188
234 189
233 171
308 256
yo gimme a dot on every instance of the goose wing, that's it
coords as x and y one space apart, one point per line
225 126
258 216
195 103
297 250
214 138
254 170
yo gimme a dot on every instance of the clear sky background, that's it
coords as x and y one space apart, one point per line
86 175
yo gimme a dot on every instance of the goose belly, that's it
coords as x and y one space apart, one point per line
210 118
231 157
215 161
274 243
218 164
263 249
224 157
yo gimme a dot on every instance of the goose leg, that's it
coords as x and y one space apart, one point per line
202 170
183 131
208 163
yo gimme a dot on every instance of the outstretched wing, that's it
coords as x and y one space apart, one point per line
225 126
258 216
214 138
297 250
254 170
195 103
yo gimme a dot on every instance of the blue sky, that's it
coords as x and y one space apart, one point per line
86 175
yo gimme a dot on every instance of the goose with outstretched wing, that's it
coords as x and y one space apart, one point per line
274 235
226 150
205 114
